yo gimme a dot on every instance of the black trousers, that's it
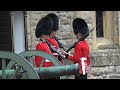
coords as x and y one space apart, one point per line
81 76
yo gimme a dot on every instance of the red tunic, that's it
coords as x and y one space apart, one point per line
45 48
81 51
54 43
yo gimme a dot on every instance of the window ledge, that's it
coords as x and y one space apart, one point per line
103 43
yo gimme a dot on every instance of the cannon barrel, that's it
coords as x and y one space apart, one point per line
50 72
59 71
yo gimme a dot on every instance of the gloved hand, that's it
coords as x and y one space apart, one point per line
66 54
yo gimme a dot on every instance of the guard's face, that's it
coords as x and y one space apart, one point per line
53 33
78 36
46 37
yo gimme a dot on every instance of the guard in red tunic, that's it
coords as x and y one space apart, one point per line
43 31
81 51
53 39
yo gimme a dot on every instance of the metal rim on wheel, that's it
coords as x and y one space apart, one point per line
20 61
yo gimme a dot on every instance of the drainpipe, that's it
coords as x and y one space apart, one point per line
25 30
12 29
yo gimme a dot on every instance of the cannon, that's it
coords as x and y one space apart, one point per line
49 72
20 68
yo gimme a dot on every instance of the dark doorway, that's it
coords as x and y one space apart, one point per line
5 32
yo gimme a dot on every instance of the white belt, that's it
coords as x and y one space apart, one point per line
54 53
46 60
83 64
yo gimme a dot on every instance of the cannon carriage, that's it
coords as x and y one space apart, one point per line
21 66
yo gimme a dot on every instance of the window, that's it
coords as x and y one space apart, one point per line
99 20
104 33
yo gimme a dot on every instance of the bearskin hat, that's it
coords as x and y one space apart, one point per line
80 26
55 21
44 26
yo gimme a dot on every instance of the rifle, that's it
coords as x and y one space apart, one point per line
59 43
84 36
54 49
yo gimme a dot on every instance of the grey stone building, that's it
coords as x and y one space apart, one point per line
104 41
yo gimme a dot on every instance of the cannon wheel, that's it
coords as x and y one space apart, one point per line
44 55
22 62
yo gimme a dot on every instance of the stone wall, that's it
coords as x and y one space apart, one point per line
105 64
106 72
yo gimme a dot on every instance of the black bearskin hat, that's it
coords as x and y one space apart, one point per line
55 21
44 26
80 26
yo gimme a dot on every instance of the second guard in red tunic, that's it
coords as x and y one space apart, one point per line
53 39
